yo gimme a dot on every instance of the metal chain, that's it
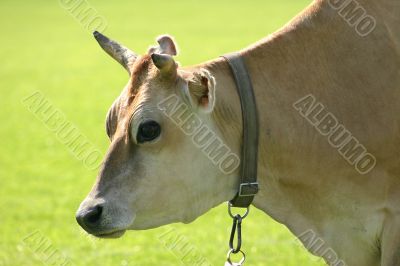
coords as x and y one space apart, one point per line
237 224
236 230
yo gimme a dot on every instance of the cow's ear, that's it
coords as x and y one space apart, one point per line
166 45
201 88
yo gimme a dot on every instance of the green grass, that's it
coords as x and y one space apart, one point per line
43 48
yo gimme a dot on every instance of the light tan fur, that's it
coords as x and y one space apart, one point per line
305 183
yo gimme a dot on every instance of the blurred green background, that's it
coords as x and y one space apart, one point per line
46 48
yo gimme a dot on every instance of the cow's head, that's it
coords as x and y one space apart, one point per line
155 171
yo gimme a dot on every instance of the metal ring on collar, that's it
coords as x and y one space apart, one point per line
241 262
233 216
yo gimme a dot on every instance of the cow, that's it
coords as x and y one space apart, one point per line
335 66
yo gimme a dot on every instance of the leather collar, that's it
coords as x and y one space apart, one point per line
248 186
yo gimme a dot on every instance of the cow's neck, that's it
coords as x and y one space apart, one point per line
297 168
284 68
269 63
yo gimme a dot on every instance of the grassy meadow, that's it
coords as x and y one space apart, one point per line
44 48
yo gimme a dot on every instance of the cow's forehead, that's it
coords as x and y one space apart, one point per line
138 94
134 96
140 71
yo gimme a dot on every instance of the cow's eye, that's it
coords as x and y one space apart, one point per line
148 131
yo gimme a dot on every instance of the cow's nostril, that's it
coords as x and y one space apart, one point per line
90 218
93 216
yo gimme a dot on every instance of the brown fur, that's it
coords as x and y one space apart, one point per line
139 73
305 184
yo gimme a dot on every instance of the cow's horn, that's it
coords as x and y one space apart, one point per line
163 62
120 53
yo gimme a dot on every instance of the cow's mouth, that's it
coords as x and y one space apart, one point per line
115 234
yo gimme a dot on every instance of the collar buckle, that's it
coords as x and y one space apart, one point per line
248 189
